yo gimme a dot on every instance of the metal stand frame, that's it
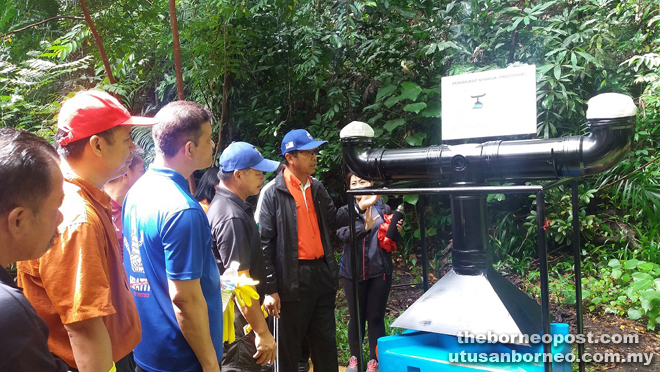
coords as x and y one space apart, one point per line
538 190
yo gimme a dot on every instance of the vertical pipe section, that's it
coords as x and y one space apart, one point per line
543 260
352 216
470 254
421 203
577 262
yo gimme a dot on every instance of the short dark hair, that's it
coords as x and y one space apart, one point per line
137 158
206 188
225 176
25 169
293 153
178 123
75 149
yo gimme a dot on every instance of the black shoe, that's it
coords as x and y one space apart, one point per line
303 366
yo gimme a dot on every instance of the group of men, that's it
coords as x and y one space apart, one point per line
155 304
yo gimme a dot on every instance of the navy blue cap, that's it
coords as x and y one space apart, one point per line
299 139
242 155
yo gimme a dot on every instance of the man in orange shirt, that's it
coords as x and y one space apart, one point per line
295 215
79 287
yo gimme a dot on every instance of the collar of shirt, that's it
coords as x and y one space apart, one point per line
172 174
233 197
293 180
98 195
6 278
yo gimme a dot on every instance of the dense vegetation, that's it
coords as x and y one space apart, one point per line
264 67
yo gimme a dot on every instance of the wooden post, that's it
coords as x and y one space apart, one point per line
99 43
178 71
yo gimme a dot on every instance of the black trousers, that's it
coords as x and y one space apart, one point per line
373 295
313 316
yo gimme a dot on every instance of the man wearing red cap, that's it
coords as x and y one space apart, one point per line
79 287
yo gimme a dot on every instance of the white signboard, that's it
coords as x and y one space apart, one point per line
489 104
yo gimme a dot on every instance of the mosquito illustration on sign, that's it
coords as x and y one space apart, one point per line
478 104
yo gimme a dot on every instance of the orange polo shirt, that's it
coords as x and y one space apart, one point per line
82 276
309 236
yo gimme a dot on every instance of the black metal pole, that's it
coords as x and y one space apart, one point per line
421 212
577 262
543 259
354 271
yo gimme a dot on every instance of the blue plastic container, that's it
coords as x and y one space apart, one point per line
415 351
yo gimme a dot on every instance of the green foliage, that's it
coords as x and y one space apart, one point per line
628 287
266 67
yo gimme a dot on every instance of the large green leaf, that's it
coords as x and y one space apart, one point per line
416 139
385 91
433 110
392 101
414 107
410 91
391 125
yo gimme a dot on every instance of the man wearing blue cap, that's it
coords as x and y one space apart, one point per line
295 215
236 239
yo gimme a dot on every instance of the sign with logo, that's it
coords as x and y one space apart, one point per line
493 103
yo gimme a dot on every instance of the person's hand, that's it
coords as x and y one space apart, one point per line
272 304
369 219
266 348
399 225
367 201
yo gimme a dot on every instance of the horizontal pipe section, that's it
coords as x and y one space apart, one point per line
604 146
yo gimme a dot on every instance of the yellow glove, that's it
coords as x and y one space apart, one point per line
228 333
114 368
243 295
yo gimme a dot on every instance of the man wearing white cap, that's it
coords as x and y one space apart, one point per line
236 239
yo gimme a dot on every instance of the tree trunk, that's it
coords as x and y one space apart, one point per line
177 51
99 43
178 71
225 91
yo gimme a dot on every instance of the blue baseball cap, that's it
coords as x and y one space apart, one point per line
242 155
299 139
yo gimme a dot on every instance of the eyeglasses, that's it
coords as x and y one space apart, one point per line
308 153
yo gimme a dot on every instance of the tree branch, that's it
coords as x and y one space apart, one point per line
99 44
40 23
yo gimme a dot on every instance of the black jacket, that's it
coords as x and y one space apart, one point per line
278 227
373 260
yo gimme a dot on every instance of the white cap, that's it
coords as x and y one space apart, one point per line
356 129
611 106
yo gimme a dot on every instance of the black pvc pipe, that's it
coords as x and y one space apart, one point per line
604 146
470 254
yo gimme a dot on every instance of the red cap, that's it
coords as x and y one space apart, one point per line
91 112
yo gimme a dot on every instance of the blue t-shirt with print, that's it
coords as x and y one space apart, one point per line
167 236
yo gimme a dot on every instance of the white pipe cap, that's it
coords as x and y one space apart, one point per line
356 129
611 106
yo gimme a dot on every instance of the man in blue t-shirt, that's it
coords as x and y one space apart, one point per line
168 257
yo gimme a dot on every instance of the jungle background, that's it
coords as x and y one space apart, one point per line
264 67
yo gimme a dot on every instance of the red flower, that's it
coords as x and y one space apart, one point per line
546 225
